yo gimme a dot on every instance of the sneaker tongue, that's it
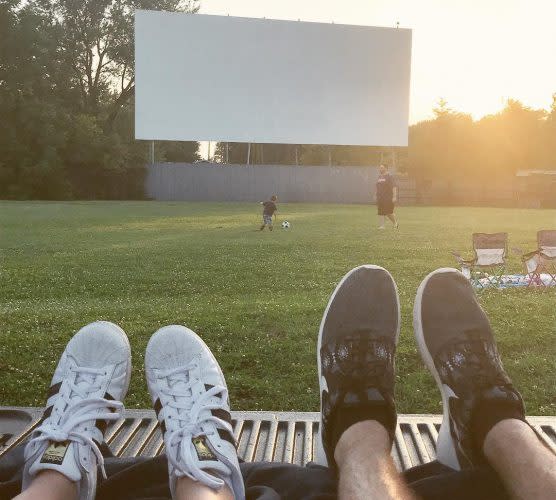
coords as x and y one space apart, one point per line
179 384
84 381
60 457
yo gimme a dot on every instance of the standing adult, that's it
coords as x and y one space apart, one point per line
386 196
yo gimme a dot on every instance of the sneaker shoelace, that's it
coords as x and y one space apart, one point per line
185 417
476 363
360 361
73 407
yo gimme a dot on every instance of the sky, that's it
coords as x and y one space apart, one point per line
475 54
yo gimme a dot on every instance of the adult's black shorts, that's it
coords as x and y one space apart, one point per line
385 207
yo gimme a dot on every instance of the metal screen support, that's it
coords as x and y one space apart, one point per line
296 156
329 156
248 152
227 152
152 152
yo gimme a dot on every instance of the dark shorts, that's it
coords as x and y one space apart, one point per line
147 478
267 219
385 207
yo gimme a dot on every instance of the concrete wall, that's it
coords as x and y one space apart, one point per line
222 182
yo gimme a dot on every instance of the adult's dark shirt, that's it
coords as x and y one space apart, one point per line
385 187
269 208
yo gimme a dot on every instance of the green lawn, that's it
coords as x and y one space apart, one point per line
256 298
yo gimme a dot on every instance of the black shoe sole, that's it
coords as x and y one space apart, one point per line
445 449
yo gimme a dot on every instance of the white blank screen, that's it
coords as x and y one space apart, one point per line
201 77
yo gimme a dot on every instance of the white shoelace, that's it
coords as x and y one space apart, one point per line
186 424
79 408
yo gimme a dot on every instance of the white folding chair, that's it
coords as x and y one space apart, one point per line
540 265
489 264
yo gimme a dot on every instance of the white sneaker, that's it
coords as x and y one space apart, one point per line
190 398
381 227
91 379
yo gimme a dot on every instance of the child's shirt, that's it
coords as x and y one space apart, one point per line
269 207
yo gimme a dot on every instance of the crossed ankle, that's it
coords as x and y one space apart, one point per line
362 436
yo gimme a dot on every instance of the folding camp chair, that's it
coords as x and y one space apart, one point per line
489 264
541 263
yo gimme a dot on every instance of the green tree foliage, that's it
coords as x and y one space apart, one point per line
96 43
451 146
66 99
550 135
454 146
177 151
33 119
446 144
285 154
66 105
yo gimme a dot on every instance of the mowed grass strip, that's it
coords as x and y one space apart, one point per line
255 298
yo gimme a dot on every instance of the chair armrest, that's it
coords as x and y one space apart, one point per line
461 260
458 257
527 256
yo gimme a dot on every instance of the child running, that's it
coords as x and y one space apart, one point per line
269 209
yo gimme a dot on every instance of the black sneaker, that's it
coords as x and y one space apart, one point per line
457 345
357 341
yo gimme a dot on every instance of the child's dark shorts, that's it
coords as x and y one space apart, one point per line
267 220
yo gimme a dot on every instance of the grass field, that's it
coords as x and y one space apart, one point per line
256 298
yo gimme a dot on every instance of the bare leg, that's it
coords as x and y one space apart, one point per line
188 489
528 473
49 485
382 222
262 227
365 465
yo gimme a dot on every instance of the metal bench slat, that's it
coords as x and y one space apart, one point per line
267 436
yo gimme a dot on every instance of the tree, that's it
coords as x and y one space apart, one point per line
177 151
66 88
550 137
512 139
97 47
443 147
34 121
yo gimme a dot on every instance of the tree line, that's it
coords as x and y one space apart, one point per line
66 105
67 84
450 145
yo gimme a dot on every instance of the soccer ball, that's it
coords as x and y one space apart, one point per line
285 225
